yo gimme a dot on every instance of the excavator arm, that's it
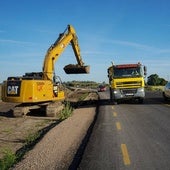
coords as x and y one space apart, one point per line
54 52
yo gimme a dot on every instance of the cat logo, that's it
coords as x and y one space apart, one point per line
13 90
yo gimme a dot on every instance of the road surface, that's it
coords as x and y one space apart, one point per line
130 136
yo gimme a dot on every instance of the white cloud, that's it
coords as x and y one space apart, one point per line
133 44
16 42
140 46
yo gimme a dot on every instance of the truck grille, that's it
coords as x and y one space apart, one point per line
129 84
128 91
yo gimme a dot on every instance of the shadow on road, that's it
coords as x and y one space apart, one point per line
152 97
86 103
8 113
147 101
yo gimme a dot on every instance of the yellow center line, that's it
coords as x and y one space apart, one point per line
115 114
125 154
113 107
118 125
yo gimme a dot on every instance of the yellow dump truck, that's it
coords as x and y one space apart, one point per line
127 82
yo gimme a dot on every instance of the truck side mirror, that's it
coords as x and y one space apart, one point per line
145 70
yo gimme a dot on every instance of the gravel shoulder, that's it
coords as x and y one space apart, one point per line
58 147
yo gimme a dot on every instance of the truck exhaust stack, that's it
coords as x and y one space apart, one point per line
76 69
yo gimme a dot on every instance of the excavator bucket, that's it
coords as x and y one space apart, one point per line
76 69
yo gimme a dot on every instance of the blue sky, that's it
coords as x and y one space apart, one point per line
119 31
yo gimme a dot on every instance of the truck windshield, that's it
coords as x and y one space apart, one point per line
127 72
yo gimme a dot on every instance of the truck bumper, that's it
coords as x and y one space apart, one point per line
119 94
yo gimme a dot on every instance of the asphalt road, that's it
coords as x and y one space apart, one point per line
130 136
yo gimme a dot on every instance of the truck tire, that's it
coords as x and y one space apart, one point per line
115 102
140 100
112 100
111 95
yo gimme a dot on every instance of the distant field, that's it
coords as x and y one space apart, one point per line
155 88
0 91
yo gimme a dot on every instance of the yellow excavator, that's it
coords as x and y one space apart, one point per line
44 89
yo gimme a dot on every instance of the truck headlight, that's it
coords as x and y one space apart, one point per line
116 91
141 90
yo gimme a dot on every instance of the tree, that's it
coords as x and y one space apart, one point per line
155 80
163 82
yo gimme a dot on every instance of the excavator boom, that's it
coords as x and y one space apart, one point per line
53 53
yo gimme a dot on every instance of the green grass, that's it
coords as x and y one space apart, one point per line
66 112
31 138
8 160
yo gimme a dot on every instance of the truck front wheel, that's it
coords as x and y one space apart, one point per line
140 100
111 95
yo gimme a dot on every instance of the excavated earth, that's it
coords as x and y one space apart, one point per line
59 141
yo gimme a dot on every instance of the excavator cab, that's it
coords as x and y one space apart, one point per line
76 69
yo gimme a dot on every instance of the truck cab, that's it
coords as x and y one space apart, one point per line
127 82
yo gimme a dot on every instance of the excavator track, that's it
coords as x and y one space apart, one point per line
53 109
20 111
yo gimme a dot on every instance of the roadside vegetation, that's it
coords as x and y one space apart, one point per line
8 160
66 112
155 88
155 80
155 83
10 157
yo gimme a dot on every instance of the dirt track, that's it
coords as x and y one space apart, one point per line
57 147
